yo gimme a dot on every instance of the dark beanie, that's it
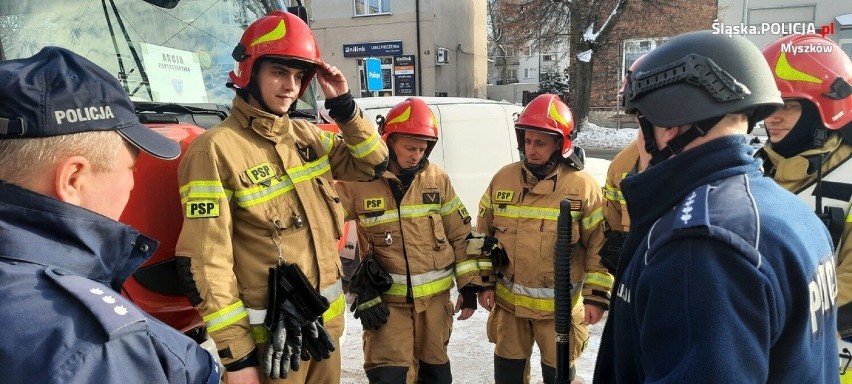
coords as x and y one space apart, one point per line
801 137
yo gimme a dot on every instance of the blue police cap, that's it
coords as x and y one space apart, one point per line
58 92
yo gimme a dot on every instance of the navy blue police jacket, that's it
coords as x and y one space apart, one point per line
726 278
62 318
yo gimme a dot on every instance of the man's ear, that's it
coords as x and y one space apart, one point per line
69 178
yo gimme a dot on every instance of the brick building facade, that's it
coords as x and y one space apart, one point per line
641 27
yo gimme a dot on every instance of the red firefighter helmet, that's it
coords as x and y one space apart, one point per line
412 118
821 77
546 113
278 34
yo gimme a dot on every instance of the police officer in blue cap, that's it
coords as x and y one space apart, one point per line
68 142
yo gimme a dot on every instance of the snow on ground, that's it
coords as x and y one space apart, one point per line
471 355
594 137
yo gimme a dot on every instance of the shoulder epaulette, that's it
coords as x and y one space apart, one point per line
693 211
116 315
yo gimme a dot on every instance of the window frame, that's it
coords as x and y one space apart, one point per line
365 4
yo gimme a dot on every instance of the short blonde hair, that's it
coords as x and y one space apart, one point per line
22 158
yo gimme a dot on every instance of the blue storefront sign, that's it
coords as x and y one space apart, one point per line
374 74
377 48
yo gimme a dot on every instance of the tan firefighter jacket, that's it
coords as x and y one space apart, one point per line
257 190
421 241
521 212
792 174
615 208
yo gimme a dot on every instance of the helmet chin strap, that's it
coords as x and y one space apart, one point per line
676 145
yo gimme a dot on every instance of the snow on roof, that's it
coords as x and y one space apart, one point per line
844 19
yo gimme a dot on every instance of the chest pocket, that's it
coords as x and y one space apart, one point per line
505 204
332 201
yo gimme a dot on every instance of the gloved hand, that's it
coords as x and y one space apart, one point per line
491 247
283 349
468 294
370 308
316 343
611 250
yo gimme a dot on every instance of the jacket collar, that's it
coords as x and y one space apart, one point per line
831 144
41 230
267 125
659 188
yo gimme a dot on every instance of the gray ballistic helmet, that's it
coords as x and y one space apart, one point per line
701 76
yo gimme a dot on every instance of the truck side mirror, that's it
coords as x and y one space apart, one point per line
168 4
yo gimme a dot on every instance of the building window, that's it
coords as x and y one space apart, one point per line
513 74
548 57
529 73
372 7
632 50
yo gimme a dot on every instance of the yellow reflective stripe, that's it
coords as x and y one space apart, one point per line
527 212
484 264
418 210
225 316
365 147
259 333
327 141
376 300
485 201
467 266
451 206
519 300
611 193
335 309
334 295
601 279
424 284
388 217
592 220
260 193
203 189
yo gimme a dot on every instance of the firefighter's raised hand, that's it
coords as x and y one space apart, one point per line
331 80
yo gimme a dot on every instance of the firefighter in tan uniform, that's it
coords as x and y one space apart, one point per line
413 227
520 209
257 194
809 144
617 219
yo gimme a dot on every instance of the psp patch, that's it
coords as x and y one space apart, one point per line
374 203
504 195
202 209
260 173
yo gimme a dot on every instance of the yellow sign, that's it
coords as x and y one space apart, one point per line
504 195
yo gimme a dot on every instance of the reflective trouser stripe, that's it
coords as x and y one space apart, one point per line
538 299
225 316
424 284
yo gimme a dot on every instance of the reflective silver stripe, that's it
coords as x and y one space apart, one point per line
256 316
327 141
332 292
596 217
538 293
419 210
450 206
423 278
365 147
388 217
466 267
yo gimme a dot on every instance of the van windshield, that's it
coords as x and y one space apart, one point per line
178 55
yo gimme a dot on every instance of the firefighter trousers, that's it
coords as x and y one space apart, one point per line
411 339
513 338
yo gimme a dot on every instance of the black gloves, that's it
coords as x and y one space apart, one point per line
368 282
294 309
491 247
316 343
468 294
611 250
370 308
